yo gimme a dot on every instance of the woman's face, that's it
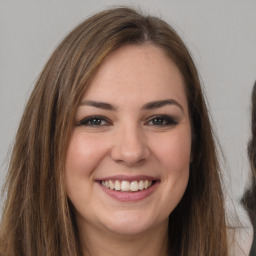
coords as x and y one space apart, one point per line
127 164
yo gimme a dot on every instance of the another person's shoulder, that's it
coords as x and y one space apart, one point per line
253 248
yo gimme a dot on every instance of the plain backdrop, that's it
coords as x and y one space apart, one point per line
220 34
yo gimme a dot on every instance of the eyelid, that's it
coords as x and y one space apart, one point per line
169 118
90 118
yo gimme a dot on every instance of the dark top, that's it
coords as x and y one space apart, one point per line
253 249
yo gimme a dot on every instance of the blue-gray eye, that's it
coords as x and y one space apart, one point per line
162 121
93 121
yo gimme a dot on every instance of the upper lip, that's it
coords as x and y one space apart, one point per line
128 178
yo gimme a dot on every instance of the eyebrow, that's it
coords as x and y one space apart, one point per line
96 104
147 106
162 103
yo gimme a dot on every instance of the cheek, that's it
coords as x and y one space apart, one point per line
83 155
176 161
174 151
173 158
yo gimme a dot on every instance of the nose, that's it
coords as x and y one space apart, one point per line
130 146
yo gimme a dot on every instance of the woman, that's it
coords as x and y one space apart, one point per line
249 198
115 153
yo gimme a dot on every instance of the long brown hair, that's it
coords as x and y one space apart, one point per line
37 217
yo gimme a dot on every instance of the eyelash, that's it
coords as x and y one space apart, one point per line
158 120
164 120
88 121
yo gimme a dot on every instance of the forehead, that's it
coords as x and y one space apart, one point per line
143 72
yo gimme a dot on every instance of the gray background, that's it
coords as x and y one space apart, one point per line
220 34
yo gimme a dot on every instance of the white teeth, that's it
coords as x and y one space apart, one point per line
111 184
134 186
117 185
141 185
106 184
126 186
146 184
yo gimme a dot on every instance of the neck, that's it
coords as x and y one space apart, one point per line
105 243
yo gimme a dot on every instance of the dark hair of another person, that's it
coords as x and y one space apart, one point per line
249 198
38 218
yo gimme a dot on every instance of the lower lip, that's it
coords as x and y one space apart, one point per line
130 196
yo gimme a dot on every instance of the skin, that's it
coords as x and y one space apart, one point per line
127 140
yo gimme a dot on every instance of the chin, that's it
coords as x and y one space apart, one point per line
132 224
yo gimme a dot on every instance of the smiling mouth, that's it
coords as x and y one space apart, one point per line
127 186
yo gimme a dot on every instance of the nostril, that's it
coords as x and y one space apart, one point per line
130 154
